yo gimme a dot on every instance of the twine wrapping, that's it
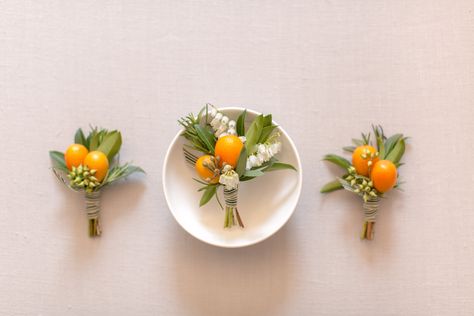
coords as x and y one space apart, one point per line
93 212
370 209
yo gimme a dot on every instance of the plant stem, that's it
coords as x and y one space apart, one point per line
368 231
241 224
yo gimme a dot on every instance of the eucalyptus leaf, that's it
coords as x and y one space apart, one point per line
206 137
331 186
280 166
242 162
58 160
253 134
240 125
338 160
111 143
209 192
79 138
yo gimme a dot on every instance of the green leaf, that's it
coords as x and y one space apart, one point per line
111 143
209 192
253 134
365 138
121 172
280 166
242 162
358 142
206 137
390 144
94 140
79 138
253 173
203 113
240 125
58 160
267 120
338 160
349 149
397 152
379 137
331 186
266 132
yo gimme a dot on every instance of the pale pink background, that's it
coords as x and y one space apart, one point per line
325 69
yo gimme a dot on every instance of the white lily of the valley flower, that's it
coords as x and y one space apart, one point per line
213 112
229 178
264 153
215 123
222 125
220 130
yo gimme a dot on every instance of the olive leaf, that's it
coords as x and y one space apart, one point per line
209 192
337 160
110 144
253 134
240 125
58 160
331 186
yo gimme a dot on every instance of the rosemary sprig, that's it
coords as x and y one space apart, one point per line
200 137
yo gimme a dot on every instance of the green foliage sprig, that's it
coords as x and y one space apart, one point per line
108 142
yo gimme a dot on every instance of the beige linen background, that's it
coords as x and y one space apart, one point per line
325 69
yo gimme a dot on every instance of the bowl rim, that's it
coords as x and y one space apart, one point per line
254 242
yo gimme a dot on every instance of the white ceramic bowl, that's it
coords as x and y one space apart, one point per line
265 203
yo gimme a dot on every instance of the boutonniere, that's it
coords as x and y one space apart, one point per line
225 153
371 174
90 164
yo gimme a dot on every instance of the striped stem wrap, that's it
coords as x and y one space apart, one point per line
370 209
230 196
189 157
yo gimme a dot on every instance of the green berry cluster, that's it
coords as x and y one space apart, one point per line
360 184
83 178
